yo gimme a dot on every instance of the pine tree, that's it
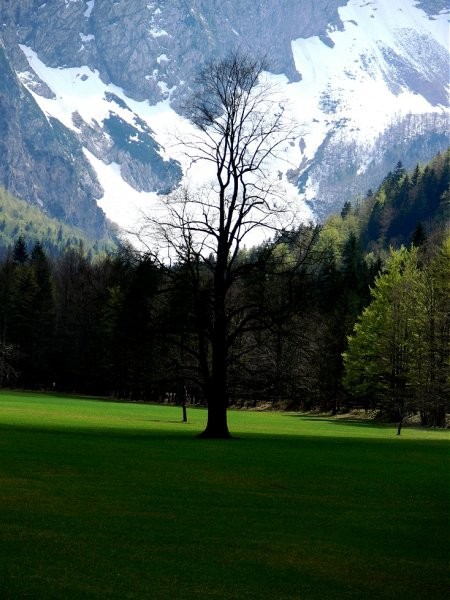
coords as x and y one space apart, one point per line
20 254
419 236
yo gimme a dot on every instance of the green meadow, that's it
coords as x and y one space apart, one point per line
108 500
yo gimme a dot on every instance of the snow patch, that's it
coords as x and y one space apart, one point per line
120 202
86 38
90 6
155 32
163 87
77 89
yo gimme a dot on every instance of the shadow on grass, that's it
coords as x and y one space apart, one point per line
106 432
354 422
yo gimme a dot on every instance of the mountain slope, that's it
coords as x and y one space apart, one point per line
410 202
380 95
367 81
21 219
40 158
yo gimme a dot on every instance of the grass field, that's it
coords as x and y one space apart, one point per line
110 500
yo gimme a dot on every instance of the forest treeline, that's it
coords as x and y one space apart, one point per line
19 218
354 312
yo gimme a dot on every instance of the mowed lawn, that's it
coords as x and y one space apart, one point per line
110 500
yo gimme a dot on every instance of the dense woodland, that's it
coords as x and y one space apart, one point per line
19 218
354 312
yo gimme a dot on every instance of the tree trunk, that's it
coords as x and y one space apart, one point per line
216 427
217 392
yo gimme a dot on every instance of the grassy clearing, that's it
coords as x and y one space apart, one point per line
109 500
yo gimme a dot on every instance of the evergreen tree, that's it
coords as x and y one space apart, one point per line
24 315
44 330
419 236
20 254
346 209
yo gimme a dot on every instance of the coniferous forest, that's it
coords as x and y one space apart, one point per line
354 312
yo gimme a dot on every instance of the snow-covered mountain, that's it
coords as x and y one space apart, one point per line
375 92
92 94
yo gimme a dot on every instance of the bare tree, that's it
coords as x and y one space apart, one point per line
240 127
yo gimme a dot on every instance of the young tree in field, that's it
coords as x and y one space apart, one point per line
398 355
379 355
240 125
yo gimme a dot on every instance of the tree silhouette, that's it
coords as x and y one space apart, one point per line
240 125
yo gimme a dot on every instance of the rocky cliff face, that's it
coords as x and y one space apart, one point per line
148 47
40 159
88 86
